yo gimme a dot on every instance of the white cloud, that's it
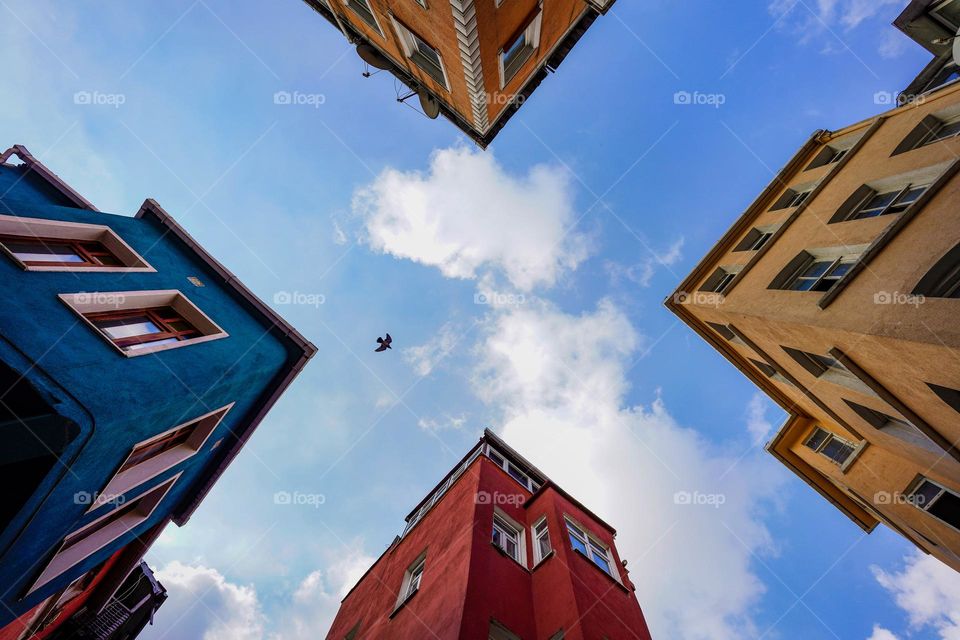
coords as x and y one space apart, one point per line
757 423
423 358
468 216
879 633
929 593
642 272
454 423
203 605
824 17
892 44
561 381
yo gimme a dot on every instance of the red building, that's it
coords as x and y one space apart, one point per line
496 552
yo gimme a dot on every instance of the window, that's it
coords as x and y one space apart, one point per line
948 395
944 130
792 198
886 203
828 155
816 364
352 634
896 427
720 281
152 457
937 500
90 538
51 245
411 580
754 240
593 549
770 371
363 10
500 632
515 53
541 540
724 331
513 470
947 13
816 274
507 537
421 54
140 322
830 446
943 280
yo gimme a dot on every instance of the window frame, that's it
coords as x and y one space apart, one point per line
507 526
94 303
942 280
365 6
410 42
914 487
130 476
536 535
414 573
592 544
893 207
85 541
530 36
60 232
830 437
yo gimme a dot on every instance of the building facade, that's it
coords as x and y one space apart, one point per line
133 368
474 61
496 551
837 293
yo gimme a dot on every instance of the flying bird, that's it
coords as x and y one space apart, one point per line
384 343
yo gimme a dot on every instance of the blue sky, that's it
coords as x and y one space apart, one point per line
587 211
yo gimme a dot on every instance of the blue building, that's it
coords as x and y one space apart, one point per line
133 368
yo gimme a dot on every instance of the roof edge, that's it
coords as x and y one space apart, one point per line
52 179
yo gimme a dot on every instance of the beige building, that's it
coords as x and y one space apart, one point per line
838 293
473 61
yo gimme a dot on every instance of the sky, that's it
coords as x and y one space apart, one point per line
523 287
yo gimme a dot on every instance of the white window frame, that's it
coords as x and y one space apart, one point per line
531 39
509 527
532 485
855 449
895 202
593 545
132 261
96 302
65 559
153 466
408 42
373 13
540 531
412 580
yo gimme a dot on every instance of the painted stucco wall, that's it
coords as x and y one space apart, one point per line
117 401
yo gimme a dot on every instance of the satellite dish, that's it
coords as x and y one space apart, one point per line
372 57
956 48
429 104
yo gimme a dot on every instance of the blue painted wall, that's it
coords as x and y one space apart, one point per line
116 401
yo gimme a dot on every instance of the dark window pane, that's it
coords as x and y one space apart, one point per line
947 508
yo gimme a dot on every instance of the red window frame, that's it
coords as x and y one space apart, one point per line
92 252
165 318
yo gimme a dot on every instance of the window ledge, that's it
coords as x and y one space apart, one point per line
594 565
845 467
501 551
403 603
543 560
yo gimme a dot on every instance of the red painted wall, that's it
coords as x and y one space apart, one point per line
467 580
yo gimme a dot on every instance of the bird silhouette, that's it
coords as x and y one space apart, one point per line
384 343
